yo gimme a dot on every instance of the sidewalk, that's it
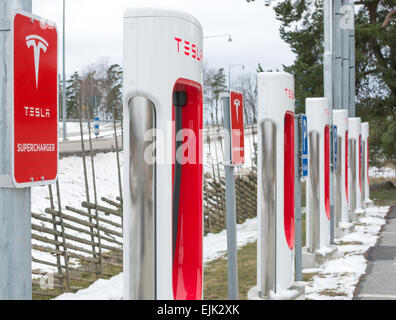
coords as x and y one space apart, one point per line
379 282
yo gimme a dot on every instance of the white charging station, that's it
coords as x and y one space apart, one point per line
365 166
318 248
341 216
163 179
355 166
275 199
318 182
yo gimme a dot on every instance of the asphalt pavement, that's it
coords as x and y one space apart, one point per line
379 282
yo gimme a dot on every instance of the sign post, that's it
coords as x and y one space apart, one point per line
35 95
234 156
335 147
29 151
301 172
237 132
304 147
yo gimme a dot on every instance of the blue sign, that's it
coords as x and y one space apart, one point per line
304 136
304 146
304 168
335 146
96 126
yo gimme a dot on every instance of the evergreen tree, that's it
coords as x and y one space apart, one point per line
218 86
112 98
375 30
73 96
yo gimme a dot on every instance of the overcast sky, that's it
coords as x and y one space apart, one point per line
94 30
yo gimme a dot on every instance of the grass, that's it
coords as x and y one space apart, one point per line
332 293
108 271
215 275
383 197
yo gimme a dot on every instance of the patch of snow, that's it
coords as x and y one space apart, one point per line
215 244
325 250
106 129
101 289
384 172
283 295
345 225
337 279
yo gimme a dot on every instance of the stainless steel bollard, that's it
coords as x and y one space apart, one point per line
143 211
363 170
338 185
352 162
268 208
314 192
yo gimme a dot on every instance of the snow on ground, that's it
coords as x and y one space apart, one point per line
338 278
106 129
215 244
100 290
213 152
72 190
214 247
335 279
384 172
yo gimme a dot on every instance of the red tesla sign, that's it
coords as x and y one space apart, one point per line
237 133
35 97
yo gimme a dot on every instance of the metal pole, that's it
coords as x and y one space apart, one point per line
328 93
229 77
345 63
338 56
15 212
297 200
64 76
230 206
352 64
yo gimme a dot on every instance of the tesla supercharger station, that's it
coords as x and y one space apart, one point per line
318 184
355 166
365 166
163 177
340 119
275 199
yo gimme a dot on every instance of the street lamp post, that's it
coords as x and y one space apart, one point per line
64 77
219 36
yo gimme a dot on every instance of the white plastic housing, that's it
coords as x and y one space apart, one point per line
355 130
275 100
340 119
160 47
318 114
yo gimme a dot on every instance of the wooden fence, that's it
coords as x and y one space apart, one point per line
214 201
84 246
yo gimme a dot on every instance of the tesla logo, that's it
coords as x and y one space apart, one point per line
38 44
289 94
189 49
237 104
